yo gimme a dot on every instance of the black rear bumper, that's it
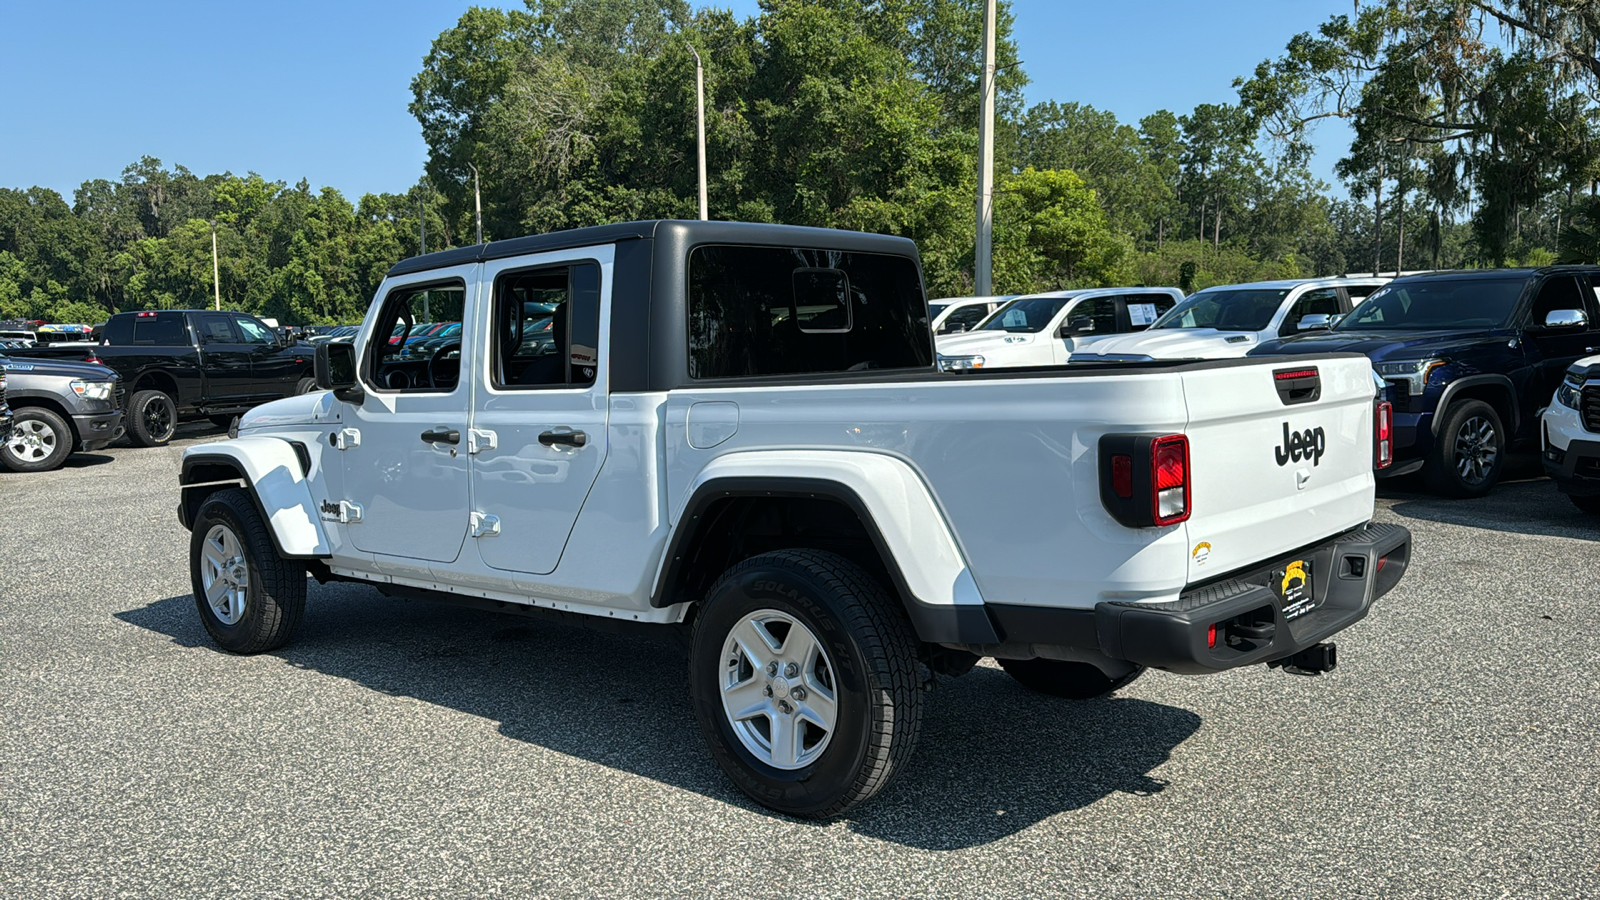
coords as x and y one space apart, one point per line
1348 573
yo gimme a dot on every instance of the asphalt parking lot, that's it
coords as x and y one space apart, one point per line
410 749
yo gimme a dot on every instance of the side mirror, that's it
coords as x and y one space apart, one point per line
1315 321
1333 321
1566 318
1077 325
335 370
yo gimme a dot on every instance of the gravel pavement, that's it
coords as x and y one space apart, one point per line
402 748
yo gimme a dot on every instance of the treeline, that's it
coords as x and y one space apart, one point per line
1471 150
145 242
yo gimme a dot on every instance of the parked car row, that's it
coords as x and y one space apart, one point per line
1473 360
151 371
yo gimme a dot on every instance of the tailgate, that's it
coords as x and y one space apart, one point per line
1275 468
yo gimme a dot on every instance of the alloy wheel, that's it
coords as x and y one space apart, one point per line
156 421
778 689
1475 450
224 574
31 441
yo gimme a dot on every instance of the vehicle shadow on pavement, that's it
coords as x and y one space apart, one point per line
1532 506
993 758
85 460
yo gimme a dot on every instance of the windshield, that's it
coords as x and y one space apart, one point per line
1429 303
1025 314
1226 309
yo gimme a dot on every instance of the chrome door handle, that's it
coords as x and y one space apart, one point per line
569 438
442 436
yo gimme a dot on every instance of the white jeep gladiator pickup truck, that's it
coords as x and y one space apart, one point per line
738 433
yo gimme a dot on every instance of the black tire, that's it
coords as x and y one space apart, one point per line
152 419
274 596
1059 678
1589 504
40 441
1470 452
871 653
305 386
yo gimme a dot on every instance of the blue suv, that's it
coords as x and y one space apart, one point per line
1471 359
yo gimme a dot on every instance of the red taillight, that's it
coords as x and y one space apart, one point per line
1291 374
146 315
1381 561
1383 435
1211 636
1169 479
1122 475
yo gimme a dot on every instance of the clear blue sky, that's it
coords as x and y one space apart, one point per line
318 90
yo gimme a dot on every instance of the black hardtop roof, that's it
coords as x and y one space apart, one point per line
135 312
692 231
1519 271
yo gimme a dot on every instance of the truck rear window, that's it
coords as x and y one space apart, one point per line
790 310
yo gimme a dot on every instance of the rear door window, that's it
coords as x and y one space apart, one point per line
215 329
547 327
160 329
1145 309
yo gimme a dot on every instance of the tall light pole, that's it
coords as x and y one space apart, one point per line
700 124
477 201
216 283
983 265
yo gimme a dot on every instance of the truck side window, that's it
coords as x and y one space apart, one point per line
386 367
547 327
965 318
790 310
253 331
162 329
1145 309
1096 315
214 329
1323 301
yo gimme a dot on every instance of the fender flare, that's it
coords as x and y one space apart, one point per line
273 472
908 528
1471 381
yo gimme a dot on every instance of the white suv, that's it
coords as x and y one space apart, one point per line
1571 435
953 315
1045 329
1229 320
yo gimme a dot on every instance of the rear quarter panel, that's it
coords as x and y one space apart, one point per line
1012 466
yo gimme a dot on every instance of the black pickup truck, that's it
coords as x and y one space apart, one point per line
192 364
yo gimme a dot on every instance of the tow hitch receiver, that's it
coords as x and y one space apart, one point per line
1311 661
